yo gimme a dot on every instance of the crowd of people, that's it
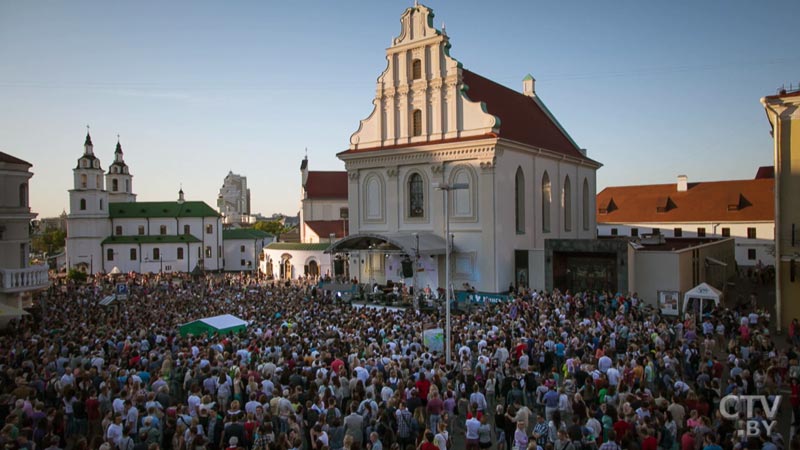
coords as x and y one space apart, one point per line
546 371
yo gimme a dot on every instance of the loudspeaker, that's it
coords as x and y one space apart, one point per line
338 267
408 269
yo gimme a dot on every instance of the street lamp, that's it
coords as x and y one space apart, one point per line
416 268
446 188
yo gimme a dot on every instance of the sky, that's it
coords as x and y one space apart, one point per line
197 88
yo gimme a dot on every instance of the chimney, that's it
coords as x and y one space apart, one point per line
683 183
529 86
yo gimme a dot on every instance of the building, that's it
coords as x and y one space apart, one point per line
662 268
18 278
742 209
323 220
234 200
131 236
323 205
244 248
516 175
783 113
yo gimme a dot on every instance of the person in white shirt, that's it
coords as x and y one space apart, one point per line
114 432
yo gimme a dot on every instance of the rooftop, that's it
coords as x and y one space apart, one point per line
244 233
157 239
161 209
6 158
324 228
326 185
298 246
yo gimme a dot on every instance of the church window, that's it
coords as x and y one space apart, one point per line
519 199
209 229
133 254
566 204
141 230
163 230
127 186
585 204
97 183
110 254
187 229
208 251
180 253
83 204
416 196
156 254
101 204
547 197
417 122
416 69
83 181
241 248
23 195
118 230
115 185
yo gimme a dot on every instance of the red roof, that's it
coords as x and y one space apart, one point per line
326 185
765 172
324 228
6 158
522 119
718 201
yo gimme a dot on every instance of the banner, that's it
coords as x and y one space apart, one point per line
433 340
668 302
480 297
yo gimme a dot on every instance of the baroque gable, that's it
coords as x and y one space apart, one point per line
420 97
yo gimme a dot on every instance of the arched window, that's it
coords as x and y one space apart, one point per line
23 195
84 181
585 205
97 183
187 229
566 204
463 205
546 198
417 123
416 196
115 185
83 204
127 186
416 69
374 199
519 199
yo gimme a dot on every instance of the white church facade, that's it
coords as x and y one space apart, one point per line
437 124
108 230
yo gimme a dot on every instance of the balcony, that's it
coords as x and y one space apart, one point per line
21 280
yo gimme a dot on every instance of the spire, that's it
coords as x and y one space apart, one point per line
180 195
119 146
87 144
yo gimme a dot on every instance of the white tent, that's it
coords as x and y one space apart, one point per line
700 300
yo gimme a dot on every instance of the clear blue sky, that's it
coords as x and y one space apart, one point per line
651 89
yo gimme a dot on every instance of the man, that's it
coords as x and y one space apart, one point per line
540 431
550 402
354 426
403 417
114 432
375 442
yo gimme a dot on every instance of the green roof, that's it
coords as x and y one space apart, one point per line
297 246
244 233
161 209
158 239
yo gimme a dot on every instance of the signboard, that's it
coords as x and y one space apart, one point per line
668 302
121 291
480 297
433 340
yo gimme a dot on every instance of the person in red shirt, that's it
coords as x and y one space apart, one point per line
423 387
621 429
687 440
427 442
649 442
794 399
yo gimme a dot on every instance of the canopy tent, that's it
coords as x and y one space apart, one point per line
700 300
404 243
115 271
223 324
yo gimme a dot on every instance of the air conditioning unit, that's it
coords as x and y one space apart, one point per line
652 239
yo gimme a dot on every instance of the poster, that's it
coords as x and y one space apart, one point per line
433 339
668 302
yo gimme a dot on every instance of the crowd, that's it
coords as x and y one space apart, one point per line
546 371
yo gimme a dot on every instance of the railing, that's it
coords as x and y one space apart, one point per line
20 280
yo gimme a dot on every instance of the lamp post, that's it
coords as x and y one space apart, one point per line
446 188
416 268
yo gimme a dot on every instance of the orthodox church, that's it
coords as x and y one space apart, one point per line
513 176
108 230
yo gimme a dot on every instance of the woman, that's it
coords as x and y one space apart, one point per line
484 433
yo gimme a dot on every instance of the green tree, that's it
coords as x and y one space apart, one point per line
272 227
50 242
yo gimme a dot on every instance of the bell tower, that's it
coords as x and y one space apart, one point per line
119 181
87 222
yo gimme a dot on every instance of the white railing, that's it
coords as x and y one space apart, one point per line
20 280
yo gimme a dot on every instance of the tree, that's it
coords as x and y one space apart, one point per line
49 242
273 227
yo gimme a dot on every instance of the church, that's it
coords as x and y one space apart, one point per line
109 231
513 175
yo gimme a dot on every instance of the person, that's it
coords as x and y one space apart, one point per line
427 442
471 433
520 436
374 442
442 436
484 433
